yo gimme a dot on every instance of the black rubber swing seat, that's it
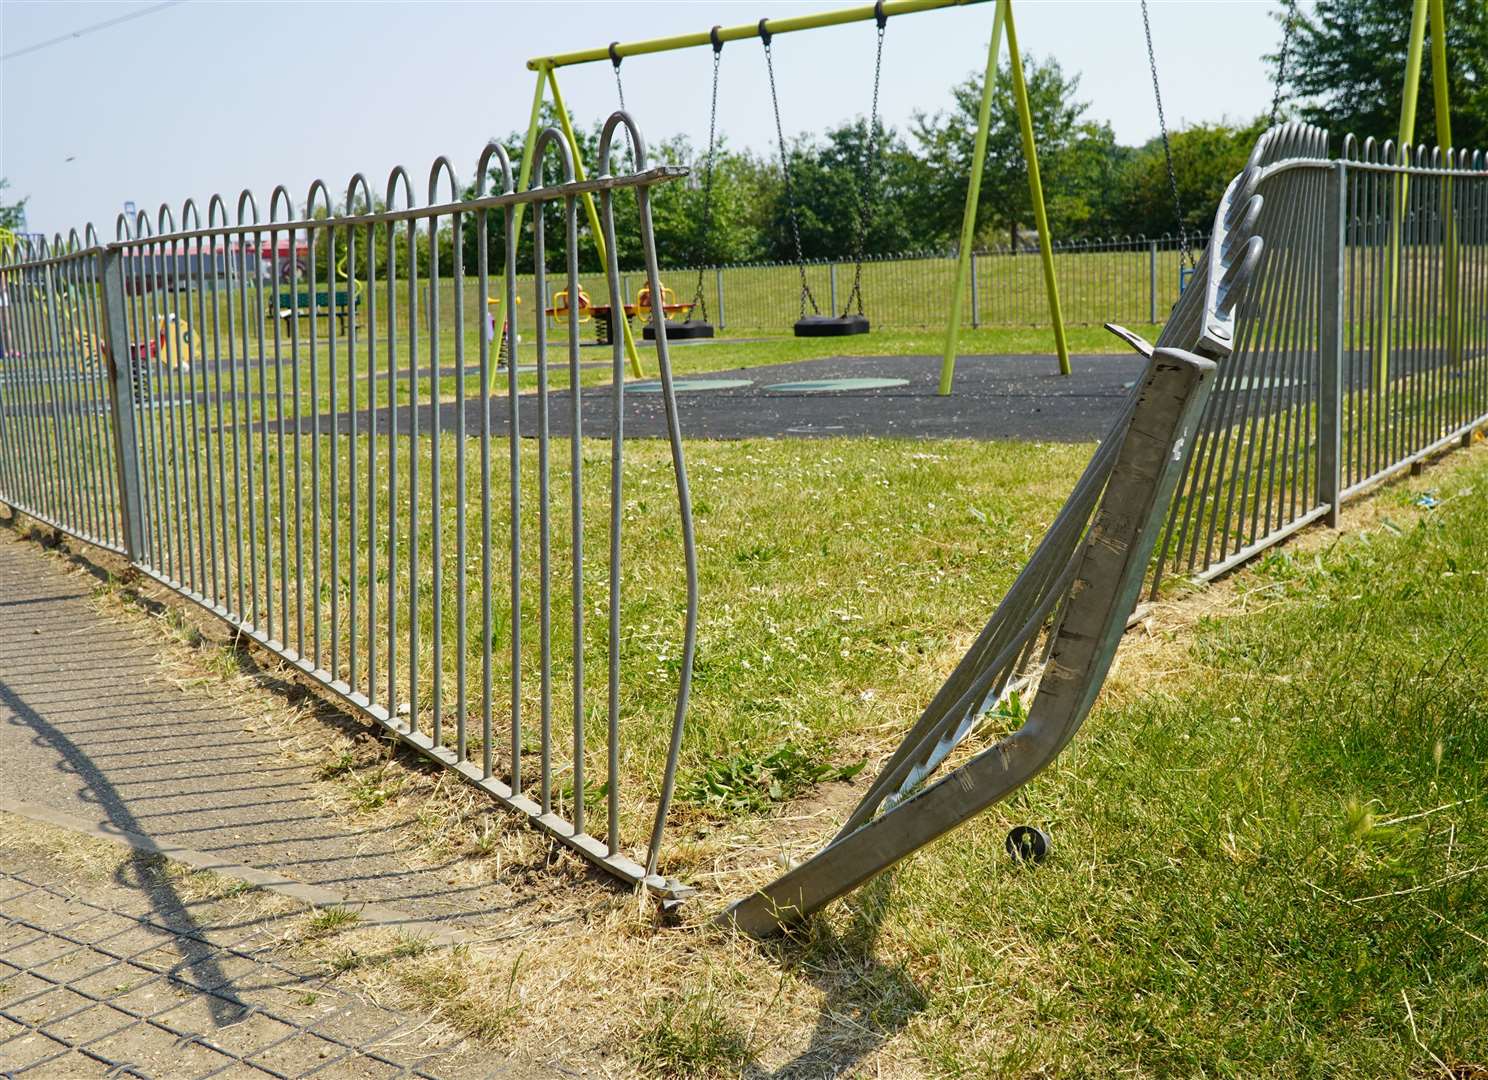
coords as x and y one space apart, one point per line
679 331
831 325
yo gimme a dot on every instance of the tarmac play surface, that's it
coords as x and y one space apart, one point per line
996 397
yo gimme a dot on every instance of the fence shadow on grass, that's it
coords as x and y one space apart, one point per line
867 1001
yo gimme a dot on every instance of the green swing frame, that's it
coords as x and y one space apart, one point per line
547 67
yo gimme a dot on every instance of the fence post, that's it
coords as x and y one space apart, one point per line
1152 281
832 285
976 304
1330 343
121 401
718 279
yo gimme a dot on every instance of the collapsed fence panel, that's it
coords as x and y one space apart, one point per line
1058 627
423 528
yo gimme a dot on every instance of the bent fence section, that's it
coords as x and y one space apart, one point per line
339 499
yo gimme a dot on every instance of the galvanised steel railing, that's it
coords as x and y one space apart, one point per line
59 432
1362 351
337 499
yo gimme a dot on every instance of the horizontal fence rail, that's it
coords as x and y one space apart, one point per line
334 494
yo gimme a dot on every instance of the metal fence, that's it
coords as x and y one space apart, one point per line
316 491
1129 279
1055 633
1363 350
312 487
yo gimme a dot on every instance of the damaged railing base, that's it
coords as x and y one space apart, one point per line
1111 567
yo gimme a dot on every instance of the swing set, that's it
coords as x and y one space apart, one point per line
812 320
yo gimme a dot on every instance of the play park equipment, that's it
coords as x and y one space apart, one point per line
605 316
503 356
848 322
169 348
851 321
560 308
668 307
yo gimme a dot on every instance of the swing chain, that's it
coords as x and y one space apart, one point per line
785 169
615 59
1289 23
868 169
1167 148
699 301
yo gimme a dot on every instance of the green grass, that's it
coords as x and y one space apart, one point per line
329 920
1271 853
691 1037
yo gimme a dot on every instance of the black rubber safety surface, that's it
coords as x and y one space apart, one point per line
996 397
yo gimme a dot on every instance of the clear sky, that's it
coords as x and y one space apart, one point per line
209 96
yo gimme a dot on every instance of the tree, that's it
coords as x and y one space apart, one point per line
1348 67
827 178
1070 151
12 215
1206 157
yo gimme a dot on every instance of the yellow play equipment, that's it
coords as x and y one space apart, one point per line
643 300
492 335
172 343
560 305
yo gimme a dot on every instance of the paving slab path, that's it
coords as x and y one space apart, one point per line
95 736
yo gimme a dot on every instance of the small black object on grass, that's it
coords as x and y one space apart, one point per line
1028 843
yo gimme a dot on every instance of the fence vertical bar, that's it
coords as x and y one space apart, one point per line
1152 281
976 296
832 284
121 391
718 277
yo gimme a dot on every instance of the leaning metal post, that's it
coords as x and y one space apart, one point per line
973 192
121 400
